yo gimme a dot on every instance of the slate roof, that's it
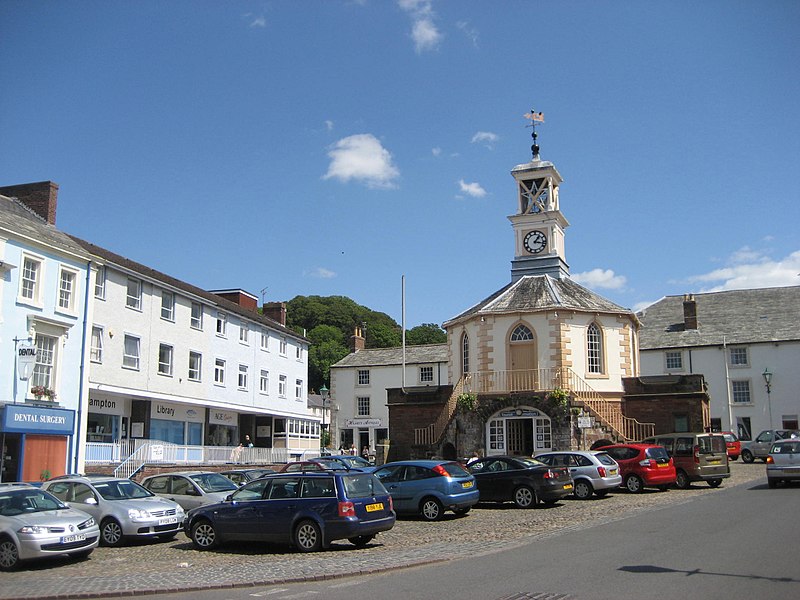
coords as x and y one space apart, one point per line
536 293
385 357
17 218
740 316
210 297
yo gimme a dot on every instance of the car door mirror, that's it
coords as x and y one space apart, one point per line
91 501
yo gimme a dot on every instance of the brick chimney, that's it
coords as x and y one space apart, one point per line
275 311
357 341
40 197
689 312
240 297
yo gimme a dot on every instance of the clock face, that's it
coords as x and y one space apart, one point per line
535 242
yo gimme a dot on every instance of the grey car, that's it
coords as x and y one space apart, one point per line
191 489
35 524
783 462
760 447
122 507
593 472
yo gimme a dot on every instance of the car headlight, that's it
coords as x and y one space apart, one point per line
87 523
33 529
139 515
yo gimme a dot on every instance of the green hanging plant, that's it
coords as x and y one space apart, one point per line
466 402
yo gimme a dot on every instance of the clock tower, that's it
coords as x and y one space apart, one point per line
538 225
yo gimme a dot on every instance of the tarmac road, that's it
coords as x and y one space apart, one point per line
154 567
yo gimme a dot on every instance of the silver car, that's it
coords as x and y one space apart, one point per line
783 462
760 447
594 472
121 506
191 489
35 524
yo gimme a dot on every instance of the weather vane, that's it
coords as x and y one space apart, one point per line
534 118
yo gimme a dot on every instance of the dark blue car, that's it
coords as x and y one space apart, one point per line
307 509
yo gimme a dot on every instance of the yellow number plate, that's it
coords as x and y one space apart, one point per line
467 484
714 461
567 486
613 471
374 507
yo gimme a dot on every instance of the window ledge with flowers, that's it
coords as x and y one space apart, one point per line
41 391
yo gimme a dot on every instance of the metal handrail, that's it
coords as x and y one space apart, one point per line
426 436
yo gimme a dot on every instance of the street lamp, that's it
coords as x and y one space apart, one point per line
768 381
323 393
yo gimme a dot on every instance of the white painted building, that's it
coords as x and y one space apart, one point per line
732 338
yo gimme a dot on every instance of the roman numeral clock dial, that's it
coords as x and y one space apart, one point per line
535 241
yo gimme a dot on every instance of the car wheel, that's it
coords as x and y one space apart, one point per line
431 509
747 456
733 458
307 536
83 554
634 484
361 540
524 497
462 511
583 489
772 482
9 554
110 533
601 493
663 488
682 480
204 536
714 483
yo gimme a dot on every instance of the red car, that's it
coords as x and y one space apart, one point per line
642 465
733 444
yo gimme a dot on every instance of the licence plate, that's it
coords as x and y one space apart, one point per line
613 471
567 486
467 484
714 461
68 539
663 466
374 507
168 520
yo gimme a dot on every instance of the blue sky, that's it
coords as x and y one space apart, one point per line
331 147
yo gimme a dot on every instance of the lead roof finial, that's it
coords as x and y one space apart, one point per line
534 118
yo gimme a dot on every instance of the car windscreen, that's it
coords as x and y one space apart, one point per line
605 458
355 461
657 453
711 444
530 462
362 486
729 437
214 482
123 489
16 502
455 470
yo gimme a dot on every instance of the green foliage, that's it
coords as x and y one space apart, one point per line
427 333
556 404
466 402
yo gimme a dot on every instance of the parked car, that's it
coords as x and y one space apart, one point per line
643 466
191 489
760 447
242 476
308 509
347 460
309 465
524 481
733 444
36 524
122 507
593 472
697 457
429 487
783 462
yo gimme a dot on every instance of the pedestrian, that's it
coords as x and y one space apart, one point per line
247 443
365 452
352 449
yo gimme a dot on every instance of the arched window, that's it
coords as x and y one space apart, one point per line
464 354
521 334
594 347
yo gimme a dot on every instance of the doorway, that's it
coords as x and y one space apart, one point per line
520 437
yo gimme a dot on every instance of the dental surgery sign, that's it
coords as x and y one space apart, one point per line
26 359
18 418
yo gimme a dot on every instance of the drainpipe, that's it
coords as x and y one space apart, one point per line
78 425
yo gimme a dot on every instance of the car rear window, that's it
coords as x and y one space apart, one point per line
362 486
604 458
455 470
711 443
656 453
729 437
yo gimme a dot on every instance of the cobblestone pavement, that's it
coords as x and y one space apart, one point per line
152 567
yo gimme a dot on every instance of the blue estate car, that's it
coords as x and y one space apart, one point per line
307 509
429 487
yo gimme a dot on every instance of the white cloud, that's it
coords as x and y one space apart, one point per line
258 22
322 273
473 189
469 31
600 278
752 269
436 151
362 157
424 32
485 137
329 125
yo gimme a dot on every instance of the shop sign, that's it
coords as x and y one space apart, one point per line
32 419
520 412
26 359
222 417
175 412
362 423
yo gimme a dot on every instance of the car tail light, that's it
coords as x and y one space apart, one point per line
347 509
648 463
696 453
391 504
440 470
549 474
601 471
770 460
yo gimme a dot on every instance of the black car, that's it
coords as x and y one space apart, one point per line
524 481
306 509
242 476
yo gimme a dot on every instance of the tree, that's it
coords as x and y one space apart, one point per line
427 333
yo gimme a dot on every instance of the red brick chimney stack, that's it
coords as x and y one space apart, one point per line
275 311
40 197
357 341
689 312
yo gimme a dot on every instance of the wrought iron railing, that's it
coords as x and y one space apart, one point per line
426 436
